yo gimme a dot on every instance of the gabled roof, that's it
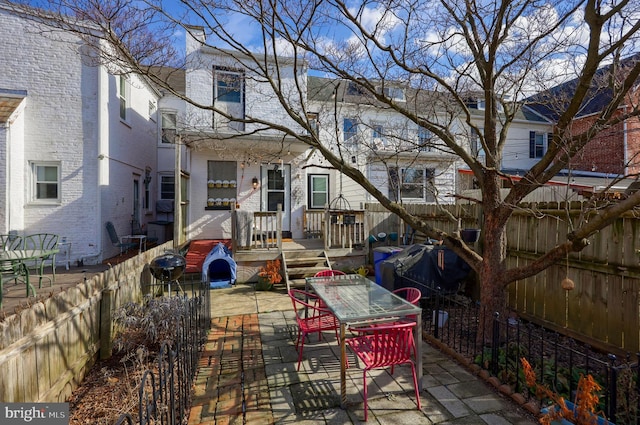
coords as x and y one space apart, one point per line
550 103
323 89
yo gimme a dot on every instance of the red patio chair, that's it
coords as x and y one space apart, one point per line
382 346
412 295
327 273
310 318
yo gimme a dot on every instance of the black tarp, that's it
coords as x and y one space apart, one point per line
424 266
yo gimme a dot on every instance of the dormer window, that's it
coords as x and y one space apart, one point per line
354 89
394 93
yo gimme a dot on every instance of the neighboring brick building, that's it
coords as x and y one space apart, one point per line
77 142
614 150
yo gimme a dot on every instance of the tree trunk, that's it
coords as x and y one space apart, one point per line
493 297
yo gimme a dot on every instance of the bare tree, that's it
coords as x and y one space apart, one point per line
505 50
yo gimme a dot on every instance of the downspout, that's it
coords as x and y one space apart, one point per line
102 141
8 185
177 207
626 154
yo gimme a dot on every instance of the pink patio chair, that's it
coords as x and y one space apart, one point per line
327 273
384 346
412 295
310 318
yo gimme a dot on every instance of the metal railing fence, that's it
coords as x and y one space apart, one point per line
455 321
165 392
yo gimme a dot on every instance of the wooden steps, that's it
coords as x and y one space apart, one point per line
300 264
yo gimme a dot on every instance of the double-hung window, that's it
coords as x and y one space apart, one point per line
229 98
229 86
123 96
425 142
318 191
312 119
378 131
169 126
350 130
412 184
395 93
476 144
537 144
45 178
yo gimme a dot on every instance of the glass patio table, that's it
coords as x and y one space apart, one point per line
357 301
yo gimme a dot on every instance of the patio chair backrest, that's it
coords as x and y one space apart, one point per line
412 295
113 236
329 272
303 302
41 241
384 345
10 242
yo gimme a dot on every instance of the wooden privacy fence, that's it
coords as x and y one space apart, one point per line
46 350
602 310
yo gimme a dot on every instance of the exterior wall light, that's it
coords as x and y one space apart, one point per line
255 182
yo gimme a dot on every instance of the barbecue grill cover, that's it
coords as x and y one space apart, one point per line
424 266
218 266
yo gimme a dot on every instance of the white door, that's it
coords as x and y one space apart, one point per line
276 189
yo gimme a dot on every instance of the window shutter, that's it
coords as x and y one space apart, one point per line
532 144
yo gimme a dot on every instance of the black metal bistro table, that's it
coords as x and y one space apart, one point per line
357 301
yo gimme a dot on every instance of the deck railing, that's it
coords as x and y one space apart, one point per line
346 229
257 229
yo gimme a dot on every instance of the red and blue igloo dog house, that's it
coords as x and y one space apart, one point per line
219 268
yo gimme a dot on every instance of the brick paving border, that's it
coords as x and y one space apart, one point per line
231 385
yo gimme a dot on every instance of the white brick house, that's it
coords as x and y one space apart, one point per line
77 141
407 163
236 154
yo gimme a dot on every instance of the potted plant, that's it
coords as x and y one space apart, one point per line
563 412
269 275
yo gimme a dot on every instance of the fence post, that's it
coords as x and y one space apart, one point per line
279 227
327 228
106 311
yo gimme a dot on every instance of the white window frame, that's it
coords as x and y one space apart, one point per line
540 144
312 118
237 77
425 140
350 136
312 192
124 96
35 167
428 175
168 122
377 130
475 143
395 93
